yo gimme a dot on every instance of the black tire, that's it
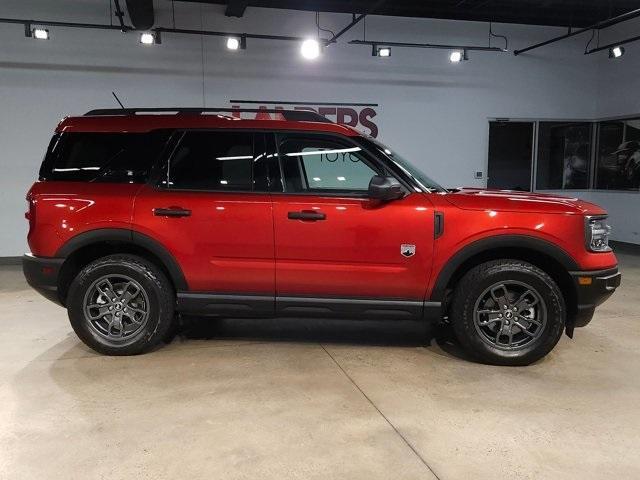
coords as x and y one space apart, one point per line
474 330
156 299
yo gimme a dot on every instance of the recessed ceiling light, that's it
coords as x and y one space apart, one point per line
310 49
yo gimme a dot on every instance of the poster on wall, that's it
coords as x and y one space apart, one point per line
362 116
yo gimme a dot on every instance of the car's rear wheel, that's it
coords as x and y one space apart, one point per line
508 312
121 305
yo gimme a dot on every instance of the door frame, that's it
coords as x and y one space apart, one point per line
534 147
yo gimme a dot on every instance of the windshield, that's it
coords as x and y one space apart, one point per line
408 168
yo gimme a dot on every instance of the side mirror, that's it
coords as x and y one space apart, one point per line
385 189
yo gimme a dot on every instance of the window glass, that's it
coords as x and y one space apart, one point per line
618 166
510 156
321 164
564 153
102 157
213 161
405 165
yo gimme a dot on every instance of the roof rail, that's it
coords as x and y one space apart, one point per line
291 115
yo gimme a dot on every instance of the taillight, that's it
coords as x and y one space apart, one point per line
30 214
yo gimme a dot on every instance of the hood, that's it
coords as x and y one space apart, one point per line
509 200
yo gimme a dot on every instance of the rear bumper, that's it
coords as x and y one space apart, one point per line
42 274
593 288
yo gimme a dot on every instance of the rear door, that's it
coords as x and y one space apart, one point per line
211 209
337 250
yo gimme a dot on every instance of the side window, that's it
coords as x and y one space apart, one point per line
102 157
218 160
324 164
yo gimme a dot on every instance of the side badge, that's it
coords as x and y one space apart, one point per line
407 250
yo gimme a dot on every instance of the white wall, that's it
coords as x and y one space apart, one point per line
433 112
618 84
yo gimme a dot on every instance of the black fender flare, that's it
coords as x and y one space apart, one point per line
495 243
122 235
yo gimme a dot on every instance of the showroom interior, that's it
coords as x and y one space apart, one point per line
528 95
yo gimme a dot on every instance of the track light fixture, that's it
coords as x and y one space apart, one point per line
616 52
310 49
41 34
38 33
237 43
150 38
377 51
458 56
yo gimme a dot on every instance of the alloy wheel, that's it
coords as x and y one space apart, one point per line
510 315
116 307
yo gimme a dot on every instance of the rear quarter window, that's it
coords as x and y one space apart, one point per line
102 157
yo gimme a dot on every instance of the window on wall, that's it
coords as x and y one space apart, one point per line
618 155
564 155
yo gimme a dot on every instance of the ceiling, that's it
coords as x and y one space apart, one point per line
576 13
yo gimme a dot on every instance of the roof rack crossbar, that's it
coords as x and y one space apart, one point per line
291 115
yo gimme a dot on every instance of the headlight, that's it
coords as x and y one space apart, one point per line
597 233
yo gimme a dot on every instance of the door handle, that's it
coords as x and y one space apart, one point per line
171 212
307 215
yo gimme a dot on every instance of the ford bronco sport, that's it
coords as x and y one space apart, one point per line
142 214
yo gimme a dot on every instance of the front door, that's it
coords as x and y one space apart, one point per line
334 243
213 212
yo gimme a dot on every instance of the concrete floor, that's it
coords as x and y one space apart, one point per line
314 399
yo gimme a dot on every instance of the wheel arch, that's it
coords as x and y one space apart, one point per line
88 246
541 253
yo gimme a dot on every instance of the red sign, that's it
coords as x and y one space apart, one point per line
360 116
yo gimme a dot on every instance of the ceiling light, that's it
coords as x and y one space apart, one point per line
310 49
40 33
233 43
616 52
458 56
380 51
148 38
237 43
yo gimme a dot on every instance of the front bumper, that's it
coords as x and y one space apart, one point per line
593 288
42 274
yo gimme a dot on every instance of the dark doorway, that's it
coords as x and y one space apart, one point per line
510 155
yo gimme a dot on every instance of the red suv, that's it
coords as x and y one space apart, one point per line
142 214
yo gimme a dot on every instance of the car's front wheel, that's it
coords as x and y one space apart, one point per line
508 312
121 305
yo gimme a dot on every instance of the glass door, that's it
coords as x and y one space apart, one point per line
510 155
